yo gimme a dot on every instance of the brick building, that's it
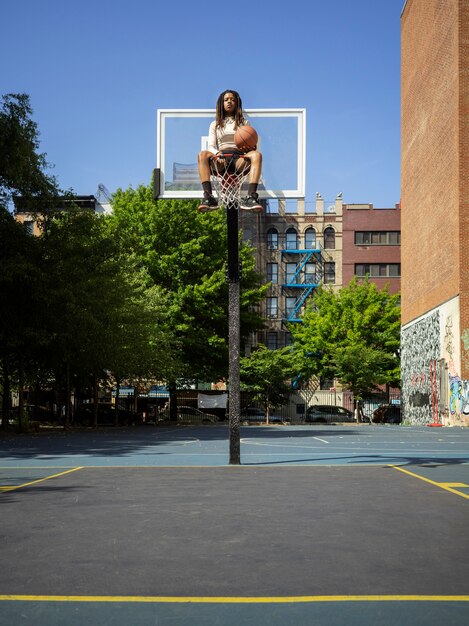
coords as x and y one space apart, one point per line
435 211
296 250
371 245
29 218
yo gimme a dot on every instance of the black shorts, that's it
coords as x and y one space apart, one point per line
232 156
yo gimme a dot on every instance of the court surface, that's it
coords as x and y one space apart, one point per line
353 524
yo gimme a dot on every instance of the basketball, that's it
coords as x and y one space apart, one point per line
246 138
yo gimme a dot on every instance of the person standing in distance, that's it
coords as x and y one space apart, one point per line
229 116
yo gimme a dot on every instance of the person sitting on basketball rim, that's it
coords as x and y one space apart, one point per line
229 116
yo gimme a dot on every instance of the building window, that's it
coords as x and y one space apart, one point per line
378 270
329 238
290 304
377 238
272 273
310 273
310 239
329 273
272 341
326 383
29 226
272 306
272 239
290 271
288 339
291 239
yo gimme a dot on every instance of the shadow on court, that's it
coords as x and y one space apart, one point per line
124 442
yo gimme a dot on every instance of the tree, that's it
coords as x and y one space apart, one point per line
22 172
22 167
103 316
352 335
21 300
267 374
184 253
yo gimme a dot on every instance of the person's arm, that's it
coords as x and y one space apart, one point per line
212 139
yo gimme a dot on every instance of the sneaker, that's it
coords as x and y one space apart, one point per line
209 203
250 203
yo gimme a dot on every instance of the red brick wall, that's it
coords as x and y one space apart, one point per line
369 220
463 32
430 165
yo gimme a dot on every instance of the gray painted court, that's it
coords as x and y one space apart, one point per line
319 525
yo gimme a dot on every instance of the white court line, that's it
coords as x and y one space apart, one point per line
367 450
319 439
177 441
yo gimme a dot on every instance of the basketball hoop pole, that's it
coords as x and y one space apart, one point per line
233 276
227 178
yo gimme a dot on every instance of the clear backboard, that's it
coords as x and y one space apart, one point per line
183 133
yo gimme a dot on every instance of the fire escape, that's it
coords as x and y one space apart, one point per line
304 271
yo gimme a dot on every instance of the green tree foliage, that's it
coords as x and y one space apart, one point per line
21 299
267 374
75 305
22 167
184 253
352 335
103 314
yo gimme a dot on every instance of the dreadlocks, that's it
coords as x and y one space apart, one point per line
238 112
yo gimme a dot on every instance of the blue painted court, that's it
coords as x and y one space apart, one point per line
352 524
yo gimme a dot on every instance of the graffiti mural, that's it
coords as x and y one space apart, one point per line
420 353
458 396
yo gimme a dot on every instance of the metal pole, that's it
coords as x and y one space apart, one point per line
233 332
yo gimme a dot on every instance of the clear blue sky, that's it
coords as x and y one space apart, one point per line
97 71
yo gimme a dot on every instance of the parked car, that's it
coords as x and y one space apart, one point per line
190 415
84 415
387 414
323 414
254 414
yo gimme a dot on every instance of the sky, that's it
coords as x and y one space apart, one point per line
97 71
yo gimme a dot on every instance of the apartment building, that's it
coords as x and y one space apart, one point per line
371 245
296 250
24 212
435 211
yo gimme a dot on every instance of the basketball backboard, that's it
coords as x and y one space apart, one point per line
183 133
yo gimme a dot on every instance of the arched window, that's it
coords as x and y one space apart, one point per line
329 238
291 242
310 239
272 239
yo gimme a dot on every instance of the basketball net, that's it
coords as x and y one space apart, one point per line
226 180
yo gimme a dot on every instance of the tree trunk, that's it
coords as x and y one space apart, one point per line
6 399
67 395
20 395
37 388
173 406
118 388
95 401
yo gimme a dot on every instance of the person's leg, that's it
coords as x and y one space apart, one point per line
256 166
204 166
251 201
209 202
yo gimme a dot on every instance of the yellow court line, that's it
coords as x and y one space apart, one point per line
237 600
461 485
444 486
39 480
